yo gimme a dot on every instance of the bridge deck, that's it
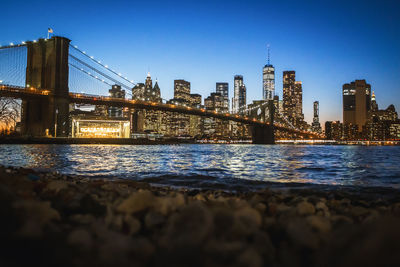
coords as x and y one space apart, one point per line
24 93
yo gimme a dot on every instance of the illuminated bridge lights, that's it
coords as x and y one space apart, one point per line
21 92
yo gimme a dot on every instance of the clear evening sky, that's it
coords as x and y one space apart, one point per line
327 43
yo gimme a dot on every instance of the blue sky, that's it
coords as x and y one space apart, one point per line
327 43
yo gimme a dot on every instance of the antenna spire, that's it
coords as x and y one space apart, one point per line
268 54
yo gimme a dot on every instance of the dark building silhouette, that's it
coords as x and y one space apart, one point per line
356 103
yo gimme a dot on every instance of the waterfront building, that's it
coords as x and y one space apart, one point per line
316 126
356 103
182 124
268 80
333 130
292 98
116 92
223 90
394 130
90 125
195 122
214 128
381 124
147 121
350 132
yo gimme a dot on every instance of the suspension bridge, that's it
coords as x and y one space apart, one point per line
50 74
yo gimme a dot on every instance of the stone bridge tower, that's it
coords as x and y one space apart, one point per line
47 69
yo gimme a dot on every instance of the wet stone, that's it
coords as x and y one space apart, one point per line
188 227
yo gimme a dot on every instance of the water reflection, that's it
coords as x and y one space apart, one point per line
224 164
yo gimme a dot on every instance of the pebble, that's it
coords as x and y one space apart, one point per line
104 223
137 201
56 186
305 208
250 215
188 227
319 223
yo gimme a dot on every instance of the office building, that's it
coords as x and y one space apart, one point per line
381 124
239 95
333 130
182 91
223 90
316 126
268 80
356 103
292 98
116 92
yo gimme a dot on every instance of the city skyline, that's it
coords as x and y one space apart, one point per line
135 47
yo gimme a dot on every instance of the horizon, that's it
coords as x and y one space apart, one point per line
331 47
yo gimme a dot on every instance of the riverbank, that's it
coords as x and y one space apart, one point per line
53 219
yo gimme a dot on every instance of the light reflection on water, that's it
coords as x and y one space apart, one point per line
197 165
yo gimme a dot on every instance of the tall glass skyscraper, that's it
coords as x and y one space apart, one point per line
268 80
239 94
223 89
292 97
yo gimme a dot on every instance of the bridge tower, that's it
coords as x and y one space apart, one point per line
47 69
264 134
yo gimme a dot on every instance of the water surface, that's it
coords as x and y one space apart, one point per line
216 165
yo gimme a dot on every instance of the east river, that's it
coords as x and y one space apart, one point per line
214 166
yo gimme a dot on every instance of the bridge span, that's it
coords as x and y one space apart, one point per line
46 97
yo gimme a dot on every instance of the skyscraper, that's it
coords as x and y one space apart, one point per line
116 92
374 104
356 103
182 90
242 99
223 90
268 80
239 94
316 126
147 120
292 97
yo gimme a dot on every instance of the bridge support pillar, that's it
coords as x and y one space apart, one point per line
47 69
262 134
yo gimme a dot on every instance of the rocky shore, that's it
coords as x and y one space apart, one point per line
48 219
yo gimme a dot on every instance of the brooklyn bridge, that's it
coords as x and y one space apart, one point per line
43 75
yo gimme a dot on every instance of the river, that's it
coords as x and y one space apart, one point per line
213 166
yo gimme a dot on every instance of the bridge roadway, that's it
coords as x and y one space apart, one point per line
24 93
